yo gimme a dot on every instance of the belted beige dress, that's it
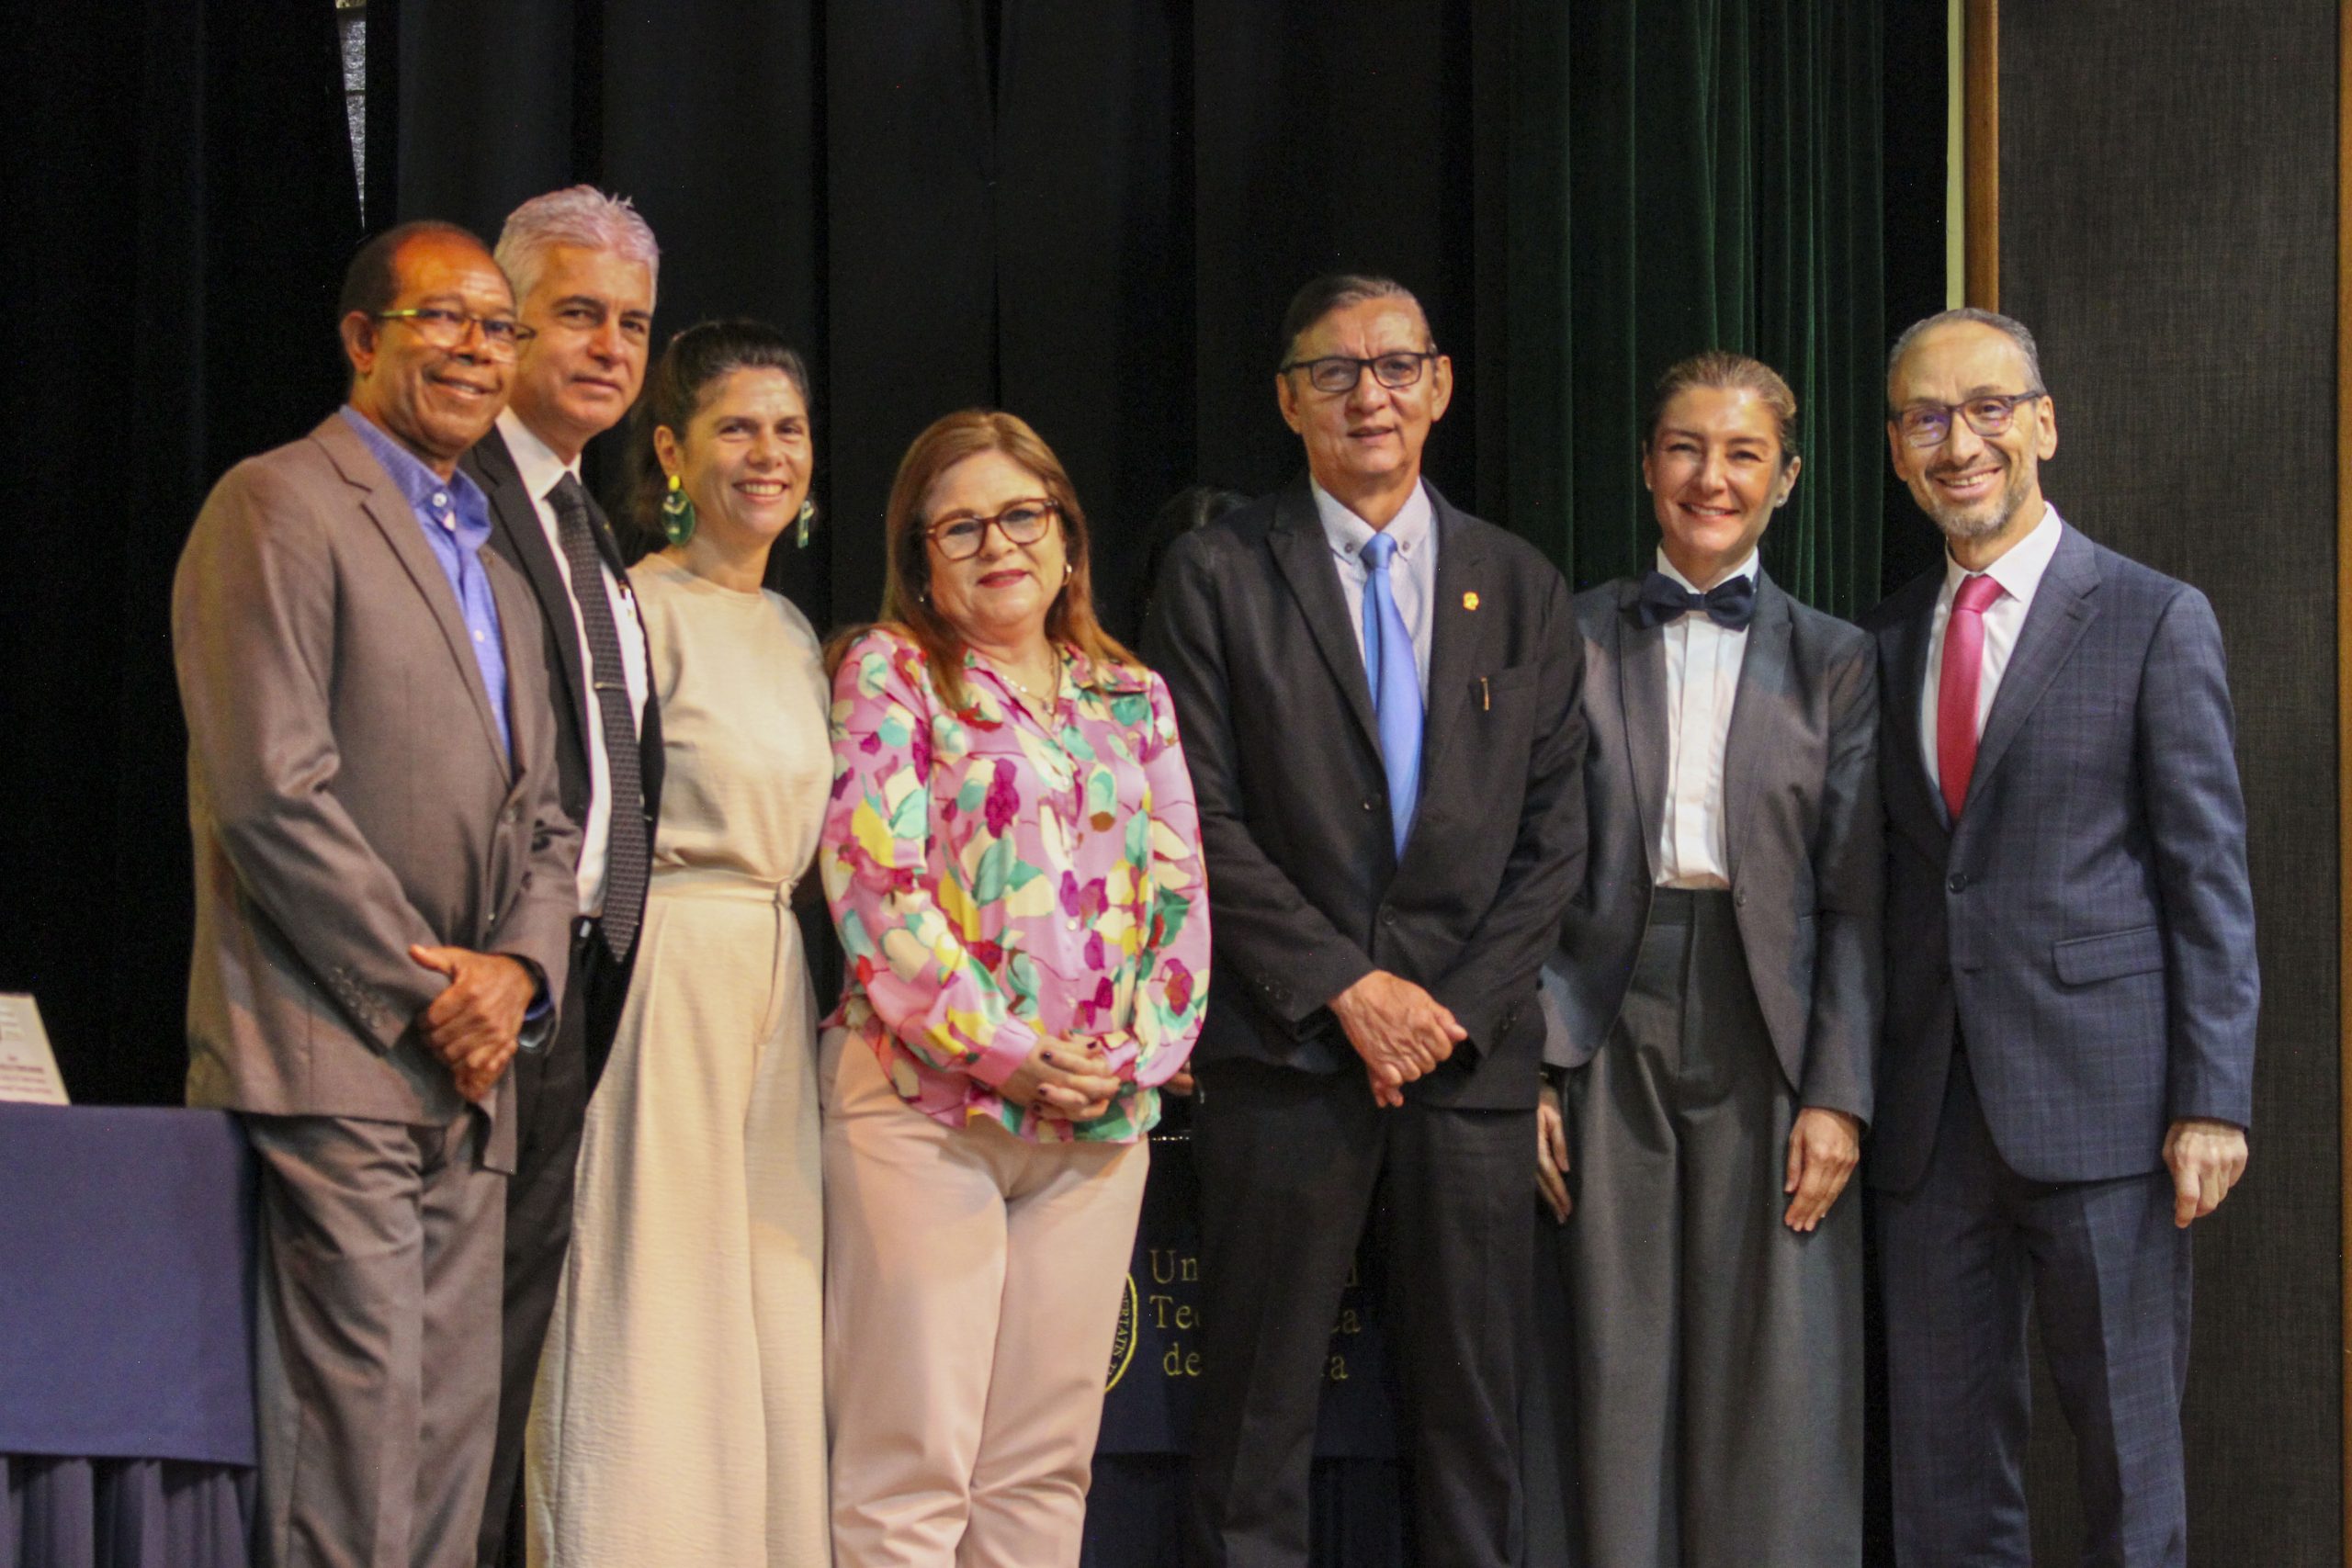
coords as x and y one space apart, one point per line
679 1416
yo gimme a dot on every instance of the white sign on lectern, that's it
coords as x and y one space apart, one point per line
27 1071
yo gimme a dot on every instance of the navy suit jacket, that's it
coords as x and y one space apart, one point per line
2087 928
1249 627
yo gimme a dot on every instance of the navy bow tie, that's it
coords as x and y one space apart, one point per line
1730 604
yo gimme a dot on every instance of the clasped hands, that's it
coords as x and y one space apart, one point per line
1065 1078
1400 1029
1401 1032
472 1025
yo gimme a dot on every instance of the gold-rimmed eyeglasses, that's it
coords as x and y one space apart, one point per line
502 336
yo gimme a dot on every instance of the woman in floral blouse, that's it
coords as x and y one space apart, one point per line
1012 859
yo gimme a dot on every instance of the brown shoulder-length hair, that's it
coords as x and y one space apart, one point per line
906 587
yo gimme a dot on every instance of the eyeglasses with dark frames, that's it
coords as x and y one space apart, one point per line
1929 425
1022 523
1339 372
442 327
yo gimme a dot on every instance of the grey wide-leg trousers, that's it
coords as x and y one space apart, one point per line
1717 1354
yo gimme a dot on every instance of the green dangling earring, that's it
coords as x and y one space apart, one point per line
677 512
801 524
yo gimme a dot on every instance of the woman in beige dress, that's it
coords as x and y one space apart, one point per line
679 1416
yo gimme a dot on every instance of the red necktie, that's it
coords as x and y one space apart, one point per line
1956 688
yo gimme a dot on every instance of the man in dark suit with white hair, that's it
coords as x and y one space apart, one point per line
583 264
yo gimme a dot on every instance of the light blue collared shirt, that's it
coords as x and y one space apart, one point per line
455 516
1412 572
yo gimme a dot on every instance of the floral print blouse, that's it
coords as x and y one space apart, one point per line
1000 875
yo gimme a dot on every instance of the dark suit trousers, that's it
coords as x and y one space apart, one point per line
552 1089
2106 1276
1717 1353
1291 1166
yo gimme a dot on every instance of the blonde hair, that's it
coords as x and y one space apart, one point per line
1725 371
907 608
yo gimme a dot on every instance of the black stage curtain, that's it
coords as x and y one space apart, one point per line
1090 213
180 202
1914 157
1093 215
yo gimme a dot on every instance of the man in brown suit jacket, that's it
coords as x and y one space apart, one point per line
383 892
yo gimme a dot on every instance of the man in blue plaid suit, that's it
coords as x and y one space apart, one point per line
2071 983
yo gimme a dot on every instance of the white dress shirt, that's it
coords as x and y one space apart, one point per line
542 470
1412 570
2018 571
1703 661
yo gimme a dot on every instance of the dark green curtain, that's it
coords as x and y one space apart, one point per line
1690 174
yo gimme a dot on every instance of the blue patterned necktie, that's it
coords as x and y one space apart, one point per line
1395 687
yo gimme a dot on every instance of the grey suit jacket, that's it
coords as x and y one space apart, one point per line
1802 829
347 793
2088 928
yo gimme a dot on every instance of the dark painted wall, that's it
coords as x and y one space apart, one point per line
2167 230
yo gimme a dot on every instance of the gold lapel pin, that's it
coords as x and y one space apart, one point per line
1470 601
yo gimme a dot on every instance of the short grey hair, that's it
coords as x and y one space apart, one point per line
2008 326
579 215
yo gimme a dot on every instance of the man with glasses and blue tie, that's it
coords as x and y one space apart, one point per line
1378 697
2068 1064
384 897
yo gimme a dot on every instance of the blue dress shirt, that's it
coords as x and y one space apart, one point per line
455 516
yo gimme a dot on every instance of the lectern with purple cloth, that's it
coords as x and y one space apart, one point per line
126 1341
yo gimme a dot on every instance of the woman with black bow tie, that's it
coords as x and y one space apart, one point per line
1714 1003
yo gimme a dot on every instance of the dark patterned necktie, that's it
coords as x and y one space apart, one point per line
628 853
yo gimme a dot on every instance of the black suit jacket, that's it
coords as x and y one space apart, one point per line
1802 831
516 534
1251 629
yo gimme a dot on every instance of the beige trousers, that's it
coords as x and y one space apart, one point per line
972 1290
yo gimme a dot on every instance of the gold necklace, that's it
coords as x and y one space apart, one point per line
1027 690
